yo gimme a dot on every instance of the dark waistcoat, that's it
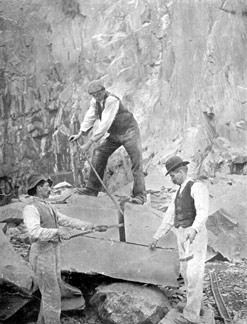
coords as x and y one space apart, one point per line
185 211
124 119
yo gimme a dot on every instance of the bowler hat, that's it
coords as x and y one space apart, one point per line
34 180
173 163
95 86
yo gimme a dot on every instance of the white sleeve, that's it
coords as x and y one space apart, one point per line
31 219
67 221
167 223
90 117
199 192
108 116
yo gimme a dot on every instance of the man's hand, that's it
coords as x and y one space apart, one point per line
86 147
191 234
100 228
153 244
64 233
75 137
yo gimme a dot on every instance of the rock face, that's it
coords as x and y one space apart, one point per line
176 65
121 303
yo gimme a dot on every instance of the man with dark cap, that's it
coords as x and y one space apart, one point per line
42 221
122 129
188 214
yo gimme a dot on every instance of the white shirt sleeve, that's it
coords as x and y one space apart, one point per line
31 219
108 116
90 117
167 223
199 192
67 221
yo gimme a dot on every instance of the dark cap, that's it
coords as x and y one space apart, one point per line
173 163
95 86
34 180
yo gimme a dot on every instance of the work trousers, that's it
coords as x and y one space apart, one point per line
131 141
192 271
45 261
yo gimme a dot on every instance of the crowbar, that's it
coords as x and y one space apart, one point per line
100 180
93 231
119 208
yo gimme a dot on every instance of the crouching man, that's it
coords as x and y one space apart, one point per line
42 221
188 214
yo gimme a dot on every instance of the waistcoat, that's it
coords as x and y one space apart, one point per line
48 218
185 211
123 120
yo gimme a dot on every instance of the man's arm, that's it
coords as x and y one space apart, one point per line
88 121
108 116
67 221
166 225
199 192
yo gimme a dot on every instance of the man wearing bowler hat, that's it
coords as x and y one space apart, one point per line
42 221
122 129
187 214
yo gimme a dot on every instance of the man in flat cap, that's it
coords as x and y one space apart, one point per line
187 215
42 221
122 129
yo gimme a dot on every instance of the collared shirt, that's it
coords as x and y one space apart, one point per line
199 193
108 115
31 219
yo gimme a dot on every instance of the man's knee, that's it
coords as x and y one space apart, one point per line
100 155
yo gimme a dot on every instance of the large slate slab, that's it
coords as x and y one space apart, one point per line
141 222
120 260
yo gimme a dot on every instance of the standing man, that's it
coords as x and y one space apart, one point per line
42 222
188 213
122 128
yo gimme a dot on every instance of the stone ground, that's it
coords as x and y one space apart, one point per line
232 280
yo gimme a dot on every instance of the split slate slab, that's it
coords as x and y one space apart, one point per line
120 260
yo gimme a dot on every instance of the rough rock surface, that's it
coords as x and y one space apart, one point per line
178 65
122 303
14 271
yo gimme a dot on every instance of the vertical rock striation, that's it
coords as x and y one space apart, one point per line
176 64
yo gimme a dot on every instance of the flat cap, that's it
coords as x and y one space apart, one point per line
95 86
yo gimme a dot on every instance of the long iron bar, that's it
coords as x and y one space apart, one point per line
100 180
219 299
120 209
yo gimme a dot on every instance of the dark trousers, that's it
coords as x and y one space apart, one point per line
131 141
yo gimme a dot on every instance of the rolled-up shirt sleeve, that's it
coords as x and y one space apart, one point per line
108 116
90 117
199 192
67 221
167 223
31 219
